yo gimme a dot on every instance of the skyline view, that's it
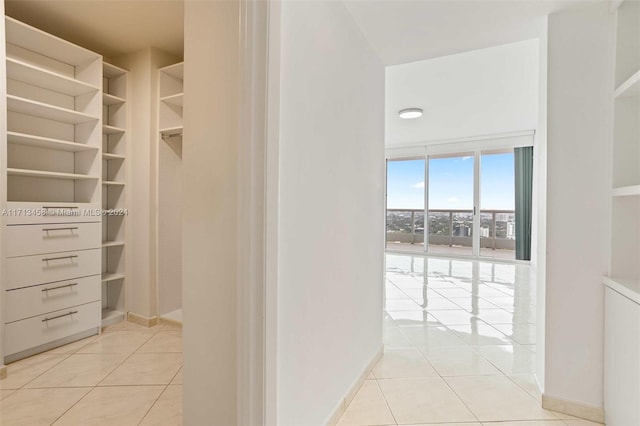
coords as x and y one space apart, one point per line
451 183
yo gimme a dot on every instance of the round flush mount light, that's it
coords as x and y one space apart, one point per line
409 113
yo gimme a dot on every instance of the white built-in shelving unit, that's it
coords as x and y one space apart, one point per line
625 209
169 281
51 280
622 287
171 95
114 148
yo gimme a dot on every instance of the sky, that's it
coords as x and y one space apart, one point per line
451 183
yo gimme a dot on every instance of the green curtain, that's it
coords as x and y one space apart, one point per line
524 187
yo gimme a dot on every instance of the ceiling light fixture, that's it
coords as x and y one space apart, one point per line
409 113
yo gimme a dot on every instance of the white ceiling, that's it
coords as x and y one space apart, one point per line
109 27
404 31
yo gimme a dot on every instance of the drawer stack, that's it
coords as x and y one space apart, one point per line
52 285
51 223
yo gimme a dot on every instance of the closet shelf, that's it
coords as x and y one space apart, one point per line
176 100
51 175
40 77
175 70
48 143
110 71
112 244
626 191
109 100
111 130
630 88
106 277
38 41
171 131
627 287
112 183
50 112
109 156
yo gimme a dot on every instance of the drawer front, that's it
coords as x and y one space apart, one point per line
36 331
37 300
45 268
26 240
27 213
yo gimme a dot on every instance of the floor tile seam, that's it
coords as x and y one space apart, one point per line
155 401
118 366
384 397
539 402
442 378
65 356
182 366
504 373
72 405
517 420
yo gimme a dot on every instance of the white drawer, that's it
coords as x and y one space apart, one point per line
37 300
36 331
27 213
45 268
25 240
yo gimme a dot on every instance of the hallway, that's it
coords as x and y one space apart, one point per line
459 348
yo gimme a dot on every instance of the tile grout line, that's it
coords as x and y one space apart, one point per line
64 357
449 386
385 401
125 359
97 384
155 401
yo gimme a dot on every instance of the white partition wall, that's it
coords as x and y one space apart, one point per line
210 211
580 75
331 211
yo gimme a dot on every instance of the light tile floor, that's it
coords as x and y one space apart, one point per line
459 348
129 375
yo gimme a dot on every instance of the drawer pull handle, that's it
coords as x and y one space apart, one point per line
59 258
59 287
68 228
60 316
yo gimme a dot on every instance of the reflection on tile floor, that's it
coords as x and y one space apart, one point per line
459 348
129 375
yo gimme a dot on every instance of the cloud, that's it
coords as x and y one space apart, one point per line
453 199
467 157
418 185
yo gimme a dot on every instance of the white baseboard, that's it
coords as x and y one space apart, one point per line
353 389
576 409
142 320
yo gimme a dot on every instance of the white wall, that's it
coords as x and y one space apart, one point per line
142 152
210 212
580 85
331 222
480 92
539 208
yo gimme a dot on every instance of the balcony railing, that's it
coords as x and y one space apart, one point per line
452 227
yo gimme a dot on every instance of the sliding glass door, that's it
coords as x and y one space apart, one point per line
451 204
497 204
405 205
476 203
